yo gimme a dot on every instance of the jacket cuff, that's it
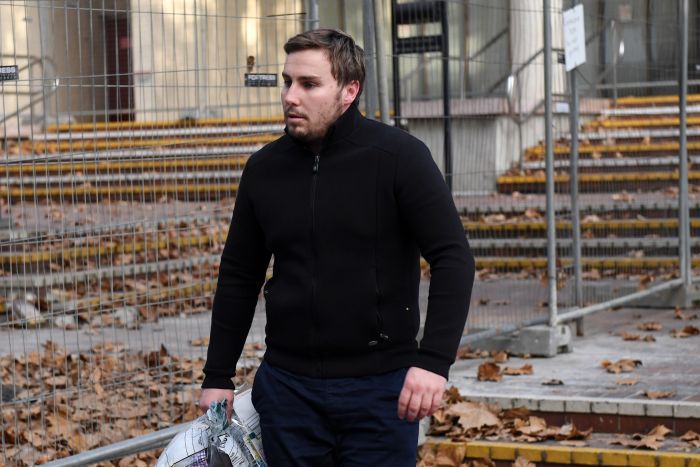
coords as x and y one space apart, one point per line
217 382
433 363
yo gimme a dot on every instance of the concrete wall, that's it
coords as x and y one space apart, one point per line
190 57
483 147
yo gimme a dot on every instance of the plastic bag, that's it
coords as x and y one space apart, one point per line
211 441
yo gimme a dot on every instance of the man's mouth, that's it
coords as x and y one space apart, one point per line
292 116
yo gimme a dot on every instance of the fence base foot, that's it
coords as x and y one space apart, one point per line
537 341
683 296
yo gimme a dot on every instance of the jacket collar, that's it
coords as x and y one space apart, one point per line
341 128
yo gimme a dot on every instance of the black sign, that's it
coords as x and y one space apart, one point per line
8 73
261 80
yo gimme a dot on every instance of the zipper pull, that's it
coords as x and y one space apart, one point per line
317 158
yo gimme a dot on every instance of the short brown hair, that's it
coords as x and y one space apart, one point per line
347 58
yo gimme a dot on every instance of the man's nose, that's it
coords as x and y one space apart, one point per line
290 95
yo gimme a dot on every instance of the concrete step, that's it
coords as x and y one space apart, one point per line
609 182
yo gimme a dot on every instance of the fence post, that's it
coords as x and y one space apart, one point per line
549 161
683 205
370 58
381 63
575 214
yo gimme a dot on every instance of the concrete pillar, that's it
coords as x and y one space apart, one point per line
526 39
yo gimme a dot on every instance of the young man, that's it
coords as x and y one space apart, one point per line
347 205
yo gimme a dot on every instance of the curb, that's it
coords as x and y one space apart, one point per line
566 455
590 405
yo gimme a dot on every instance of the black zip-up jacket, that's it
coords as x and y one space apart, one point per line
347 228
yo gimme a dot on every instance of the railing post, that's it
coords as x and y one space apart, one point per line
368 39
683 205
551 225
383 84
575 214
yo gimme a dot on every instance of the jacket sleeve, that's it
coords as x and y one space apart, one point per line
242 270
427 207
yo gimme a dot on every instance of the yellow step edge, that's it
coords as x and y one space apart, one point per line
64 254
40 147
636 122
557 454
86 167
588 263
537 151
77 191
618 224
160 293
155 124
650 100
598 178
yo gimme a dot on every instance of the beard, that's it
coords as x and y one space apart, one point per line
311 130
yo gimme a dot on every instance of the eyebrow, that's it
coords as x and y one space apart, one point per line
302 78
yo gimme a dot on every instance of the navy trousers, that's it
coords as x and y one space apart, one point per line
333 422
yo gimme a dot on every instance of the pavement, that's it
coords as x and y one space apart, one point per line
668 364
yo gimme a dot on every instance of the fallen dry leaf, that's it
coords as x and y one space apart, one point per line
649 338
627 382
570 432
691 437
467 353
200 342
523 370
450 455
659 432
522 462
658 394
630 337
685 332
489 371
473 415
624 365
500 357
650 326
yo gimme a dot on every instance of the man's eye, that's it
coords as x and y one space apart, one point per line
309 85
287 83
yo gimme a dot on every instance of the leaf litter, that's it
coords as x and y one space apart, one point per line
102 396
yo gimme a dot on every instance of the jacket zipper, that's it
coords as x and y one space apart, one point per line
314 312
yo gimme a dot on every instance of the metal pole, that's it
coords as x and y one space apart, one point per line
575 214
616 52
370 89
683 210
121 449
447 123
381 63
314 14
395 64
551 227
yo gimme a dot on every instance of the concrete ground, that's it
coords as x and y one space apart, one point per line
668 364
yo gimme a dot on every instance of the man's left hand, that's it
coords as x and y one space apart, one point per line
421 394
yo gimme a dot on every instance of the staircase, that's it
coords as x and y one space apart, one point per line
628 196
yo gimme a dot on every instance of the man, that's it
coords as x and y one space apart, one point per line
346 205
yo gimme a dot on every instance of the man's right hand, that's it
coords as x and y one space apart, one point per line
211 394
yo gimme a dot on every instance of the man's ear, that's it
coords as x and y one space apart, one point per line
350 92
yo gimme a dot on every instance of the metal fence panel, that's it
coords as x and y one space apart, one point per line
125 132
122 142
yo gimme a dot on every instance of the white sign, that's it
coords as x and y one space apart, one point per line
574 37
